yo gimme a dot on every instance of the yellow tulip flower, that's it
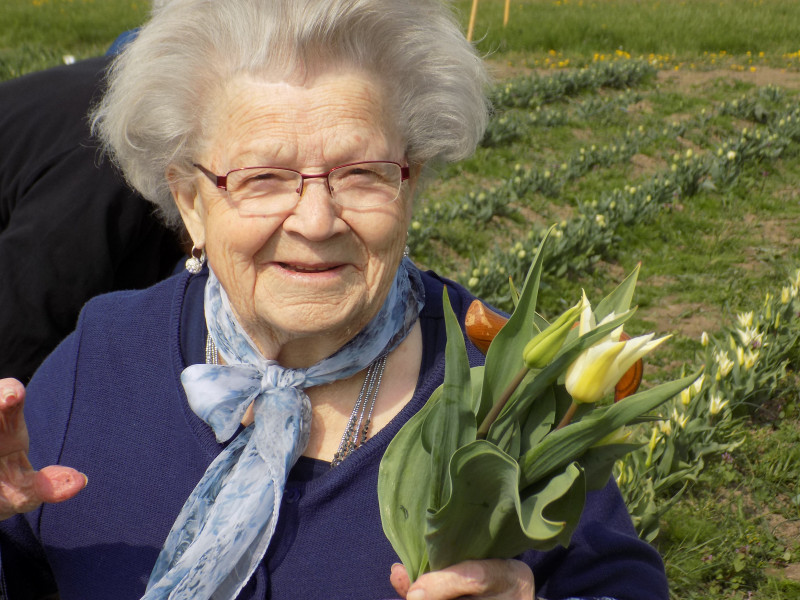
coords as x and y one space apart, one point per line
597 369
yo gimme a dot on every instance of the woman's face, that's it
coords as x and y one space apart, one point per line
305 281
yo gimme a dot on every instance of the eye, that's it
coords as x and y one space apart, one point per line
264 181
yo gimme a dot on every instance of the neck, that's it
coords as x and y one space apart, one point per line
302 351
332 404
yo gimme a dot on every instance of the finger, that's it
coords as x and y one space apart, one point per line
13 433
490 579
11 389
400 580
22 489
57 483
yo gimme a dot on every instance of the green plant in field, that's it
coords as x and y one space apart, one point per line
744 367
584 238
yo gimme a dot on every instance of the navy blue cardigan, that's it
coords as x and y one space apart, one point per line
109 402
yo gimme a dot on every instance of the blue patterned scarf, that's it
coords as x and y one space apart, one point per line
223 530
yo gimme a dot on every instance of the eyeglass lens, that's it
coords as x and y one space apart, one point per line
265 190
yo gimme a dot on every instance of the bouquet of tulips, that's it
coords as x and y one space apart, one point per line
500 458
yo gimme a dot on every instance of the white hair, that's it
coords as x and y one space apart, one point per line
162 87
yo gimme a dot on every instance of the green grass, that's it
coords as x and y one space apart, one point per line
35 34
684 29
704 257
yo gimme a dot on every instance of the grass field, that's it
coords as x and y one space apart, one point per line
710 119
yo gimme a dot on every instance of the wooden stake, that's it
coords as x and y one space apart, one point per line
472 15
505 12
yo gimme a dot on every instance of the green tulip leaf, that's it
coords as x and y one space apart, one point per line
504 358
485 517
564 445
598 462
403 484
476 380
450 423
539 421
619 300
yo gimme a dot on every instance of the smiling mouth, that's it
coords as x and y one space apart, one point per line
302 269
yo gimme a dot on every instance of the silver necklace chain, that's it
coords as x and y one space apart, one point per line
357 428
212 356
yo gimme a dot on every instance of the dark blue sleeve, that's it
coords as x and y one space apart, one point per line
605 557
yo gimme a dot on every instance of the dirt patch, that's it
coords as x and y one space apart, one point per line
583 135
643 106
644 165
792 572
785 530
690 319
777 237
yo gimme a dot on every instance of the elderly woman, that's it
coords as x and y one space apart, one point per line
231 420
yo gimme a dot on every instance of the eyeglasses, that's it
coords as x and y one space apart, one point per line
258 191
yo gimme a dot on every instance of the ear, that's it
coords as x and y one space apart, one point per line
189 203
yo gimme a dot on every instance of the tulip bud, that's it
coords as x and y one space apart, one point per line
545 345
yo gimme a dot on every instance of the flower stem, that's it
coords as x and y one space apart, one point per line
568 415
491 416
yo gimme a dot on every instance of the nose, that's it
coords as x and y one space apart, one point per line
315 216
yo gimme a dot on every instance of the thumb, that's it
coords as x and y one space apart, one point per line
56 483
400 580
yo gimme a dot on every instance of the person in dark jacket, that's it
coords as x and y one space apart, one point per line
70 227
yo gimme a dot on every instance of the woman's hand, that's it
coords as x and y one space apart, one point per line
21 488
489 579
